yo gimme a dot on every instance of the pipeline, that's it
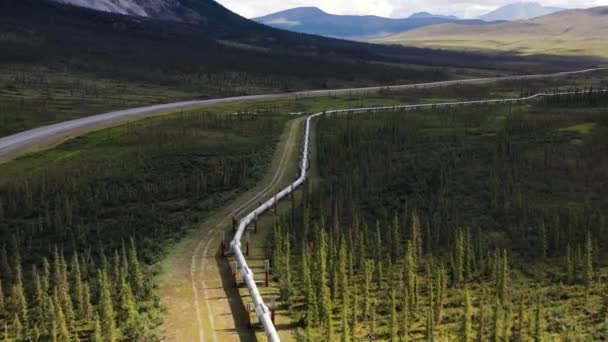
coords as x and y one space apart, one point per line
262 311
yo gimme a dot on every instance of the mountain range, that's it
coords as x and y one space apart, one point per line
581 32
519 11
313 20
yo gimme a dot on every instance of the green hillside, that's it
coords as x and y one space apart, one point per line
573 33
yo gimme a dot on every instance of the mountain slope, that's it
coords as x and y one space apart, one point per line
519 11
570 32
312 20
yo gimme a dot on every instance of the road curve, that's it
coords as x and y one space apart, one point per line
38 138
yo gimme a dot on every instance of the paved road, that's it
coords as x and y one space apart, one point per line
39 138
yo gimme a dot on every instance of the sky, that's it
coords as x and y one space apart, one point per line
391 8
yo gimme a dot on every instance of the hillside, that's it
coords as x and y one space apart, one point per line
312 20
519 11
572 32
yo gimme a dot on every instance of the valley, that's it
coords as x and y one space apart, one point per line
172 171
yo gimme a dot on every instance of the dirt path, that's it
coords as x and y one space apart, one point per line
200 305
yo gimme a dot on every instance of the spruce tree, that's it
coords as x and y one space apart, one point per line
106 307
405 316
481 335
538 320
345 337
569 265
137 280
312 311
393 329
98 333
430 325
588 264
543 240
366 288
17 328
466 333
129 315
2 308
497 320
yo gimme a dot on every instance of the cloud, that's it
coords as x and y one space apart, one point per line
392 8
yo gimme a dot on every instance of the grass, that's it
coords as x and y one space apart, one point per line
583 128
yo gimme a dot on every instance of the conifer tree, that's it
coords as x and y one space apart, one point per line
466 333
569 266
459 258
2 308
77 287
543 240
312 311
17 328
324 291
405 316
366 288
106 308
393 329
518 333
538 320
129 312
345 337
497 320
430 326
588 261
87 307
481 326
18 294
98 333
61 324
416 237
329 325
137 280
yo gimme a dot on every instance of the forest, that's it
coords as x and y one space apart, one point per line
476 223
83 226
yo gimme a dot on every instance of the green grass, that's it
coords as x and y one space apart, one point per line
583 128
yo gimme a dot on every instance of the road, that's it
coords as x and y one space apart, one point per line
47 136
199 306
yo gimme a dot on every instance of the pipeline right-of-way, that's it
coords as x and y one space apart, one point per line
262 311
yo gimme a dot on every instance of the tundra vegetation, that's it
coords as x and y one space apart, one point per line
473 223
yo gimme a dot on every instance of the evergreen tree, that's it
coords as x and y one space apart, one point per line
312 311
98 333
497 320
345 337
17 328
323 282
466 333
137 280
405 316
543 240
61 324
329 325
481 326
588 268
2 308
366 288
106 307
518 333
538 320
430 326
459 258
393 329
128 308
569 265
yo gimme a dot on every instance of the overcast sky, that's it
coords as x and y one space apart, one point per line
390 8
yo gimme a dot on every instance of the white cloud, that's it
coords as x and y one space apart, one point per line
391 8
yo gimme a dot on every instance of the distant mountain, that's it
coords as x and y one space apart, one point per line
519 11
569 32
314 21
419 15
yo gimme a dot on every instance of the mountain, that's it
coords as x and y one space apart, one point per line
569 32
313 20
419 15
519 11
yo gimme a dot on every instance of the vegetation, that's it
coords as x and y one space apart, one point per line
585 35
82 226
60 62
477 223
